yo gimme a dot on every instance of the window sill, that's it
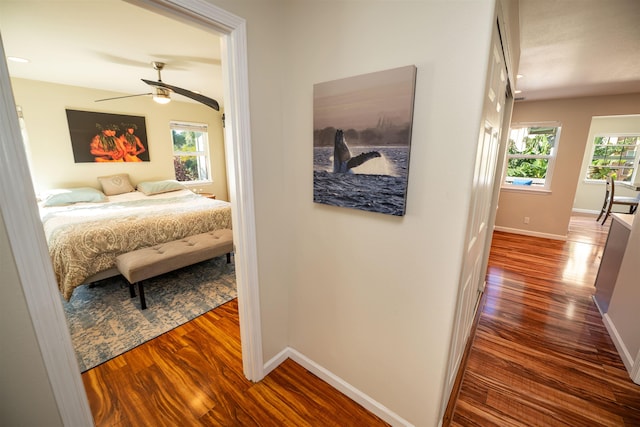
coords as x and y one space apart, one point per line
524 189
620 184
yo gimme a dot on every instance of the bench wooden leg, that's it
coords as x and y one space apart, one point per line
143 302
132 292
228 257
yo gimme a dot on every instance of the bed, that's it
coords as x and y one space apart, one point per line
85 238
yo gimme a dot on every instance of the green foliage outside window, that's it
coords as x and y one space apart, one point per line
527 168
529 157
187 166
613 155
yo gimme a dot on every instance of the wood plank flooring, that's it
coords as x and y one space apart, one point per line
541 357
541 354
192 376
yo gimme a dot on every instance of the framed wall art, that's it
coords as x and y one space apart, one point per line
102 137
361 140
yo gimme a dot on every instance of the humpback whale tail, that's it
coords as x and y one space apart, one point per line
342 160
361 158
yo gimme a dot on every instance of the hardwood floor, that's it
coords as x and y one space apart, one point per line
541 357
192 376
541 354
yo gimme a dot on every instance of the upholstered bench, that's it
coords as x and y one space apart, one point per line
146 263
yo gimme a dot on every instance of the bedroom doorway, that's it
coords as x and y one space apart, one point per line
238 162
29 248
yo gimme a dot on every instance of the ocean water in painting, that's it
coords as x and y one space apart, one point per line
378 185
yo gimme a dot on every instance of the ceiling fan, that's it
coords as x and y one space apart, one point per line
162 91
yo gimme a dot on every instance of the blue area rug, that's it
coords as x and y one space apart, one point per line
105 322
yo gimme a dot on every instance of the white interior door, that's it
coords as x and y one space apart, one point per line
479 224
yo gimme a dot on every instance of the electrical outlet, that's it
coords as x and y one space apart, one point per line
526 220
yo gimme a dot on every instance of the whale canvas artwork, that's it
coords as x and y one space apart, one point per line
362 140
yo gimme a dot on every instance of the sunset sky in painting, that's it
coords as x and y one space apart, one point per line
359 102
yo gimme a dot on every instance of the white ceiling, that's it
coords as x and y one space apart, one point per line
579 48
568 47
108 44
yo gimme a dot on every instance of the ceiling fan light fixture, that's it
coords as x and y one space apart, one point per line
162 96
162 92
161 99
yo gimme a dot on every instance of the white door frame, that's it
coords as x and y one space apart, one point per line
28 244
484 202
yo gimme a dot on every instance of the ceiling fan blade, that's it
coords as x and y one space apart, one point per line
184 92
120 97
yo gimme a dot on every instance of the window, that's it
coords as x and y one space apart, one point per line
531 153
190 151
613 155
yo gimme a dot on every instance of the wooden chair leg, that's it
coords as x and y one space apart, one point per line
132 290
606 215
604 208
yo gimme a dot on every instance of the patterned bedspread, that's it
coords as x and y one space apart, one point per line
85 239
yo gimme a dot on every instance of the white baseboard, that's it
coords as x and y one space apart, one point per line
530 233
595 301
617 340
585 211
635 374
596 213
338 383
275 361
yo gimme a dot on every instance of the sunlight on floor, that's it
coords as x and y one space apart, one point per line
582 256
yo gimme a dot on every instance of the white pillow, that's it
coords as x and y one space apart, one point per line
67 196
157 187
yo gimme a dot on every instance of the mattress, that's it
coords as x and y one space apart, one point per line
85 238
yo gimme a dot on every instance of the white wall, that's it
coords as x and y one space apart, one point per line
53 166
590 195
368 296
26 397
372 296
509 20
623 308
270 141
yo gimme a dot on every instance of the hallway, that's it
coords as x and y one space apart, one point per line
541 354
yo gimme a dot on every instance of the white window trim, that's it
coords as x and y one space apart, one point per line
546 188
197 127
636 161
